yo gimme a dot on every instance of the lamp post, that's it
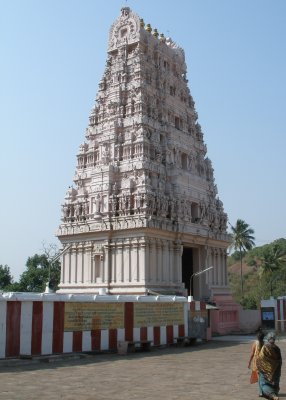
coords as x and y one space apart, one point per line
195 274
48 289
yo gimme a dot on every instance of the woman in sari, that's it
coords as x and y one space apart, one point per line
269 362
255 350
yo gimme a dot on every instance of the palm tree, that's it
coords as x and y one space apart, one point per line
242 240
272 260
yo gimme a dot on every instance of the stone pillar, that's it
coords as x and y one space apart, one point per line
87 256
172 262
207 265
221 267
142 262
126 260
212 272
63 259
178 262
165 261
114 261
148 260
101 269
119 273
159 273
152 263
134 267
73 266
107 255
225 280
216 266
80 265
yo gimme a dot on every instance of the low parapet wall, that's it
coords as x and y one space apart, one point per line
42 324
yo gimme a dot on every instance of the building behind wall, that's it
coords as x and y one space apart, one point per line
144 214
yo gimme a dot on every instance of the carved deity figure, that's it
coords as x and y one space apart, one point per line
77 210
98 204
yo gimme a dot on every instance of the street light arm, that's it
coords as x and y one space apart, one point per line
48 290
198 273
60 254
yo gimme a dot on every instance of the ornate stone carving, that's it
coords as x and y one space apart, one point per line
143 163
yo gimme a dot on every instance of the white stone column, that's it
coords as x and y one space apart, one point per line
221 267
225 267
101 269
216 266
165 261
159 261
207 265
172 262
113 261
119 277
178 262
80 271
63 259
87 254
72 269
133 270
152 264
126 260
142 255
212 272
137 259
148 260
107 255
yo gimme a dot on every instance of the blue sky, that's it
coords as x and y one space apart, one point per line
52 57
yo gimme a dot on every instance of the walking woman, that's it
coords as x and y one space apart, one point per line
255 350
269 362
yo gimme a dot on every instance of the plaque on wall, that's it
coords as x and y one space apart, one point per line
91 316
158 314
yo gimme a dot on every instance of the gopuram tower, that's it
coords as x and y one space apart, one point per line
143 215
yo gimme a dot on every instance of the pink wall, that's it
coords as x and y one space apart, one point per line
225 319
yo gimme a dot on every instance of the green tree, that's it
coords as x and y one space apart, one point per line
242 240
273 262
249 303
6 278
13 287
40 270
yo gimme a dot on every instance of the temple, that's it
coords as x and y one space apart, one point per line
143 216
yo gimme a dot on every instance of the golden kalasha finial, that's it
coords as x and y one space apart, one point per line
162 37
148 28
155 32
142 23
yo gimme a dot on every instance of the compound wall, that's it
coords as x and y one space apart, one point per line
42 324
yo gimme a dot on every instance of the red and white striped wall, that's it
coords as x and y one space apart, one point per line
33 324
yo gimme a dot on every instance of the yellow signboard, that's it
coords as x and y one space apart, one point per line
90 316
158 314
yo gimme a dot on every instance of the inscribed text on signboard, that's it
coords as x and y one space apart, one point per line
91 316
158 314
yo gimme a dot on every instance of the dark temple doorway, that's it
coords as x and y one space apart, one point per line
187 267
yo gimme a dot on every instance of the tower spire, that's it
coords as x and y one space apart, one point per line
142 179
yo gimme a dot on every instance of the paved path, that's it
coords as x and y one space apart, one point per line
216 370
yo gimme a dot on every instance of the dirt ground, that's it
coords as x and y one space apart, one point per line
216 370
